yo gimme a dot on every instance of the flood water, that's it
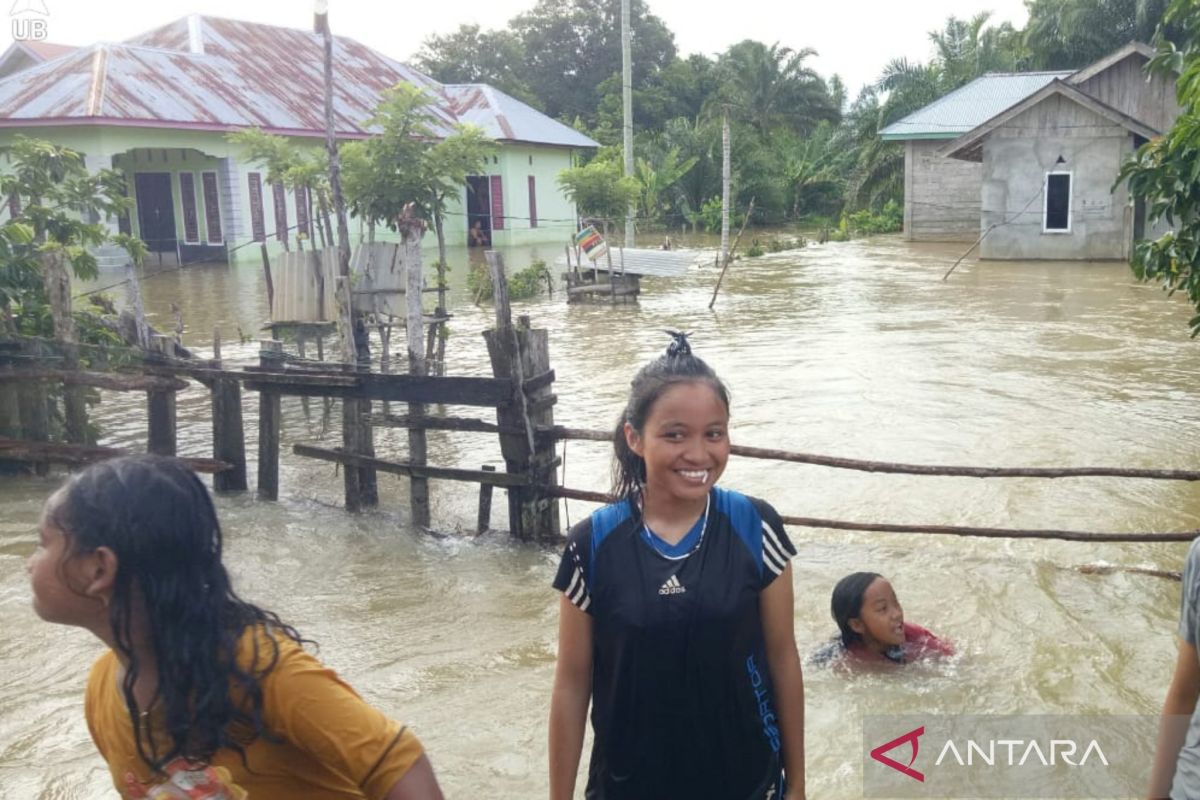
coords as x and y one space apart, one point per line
855 349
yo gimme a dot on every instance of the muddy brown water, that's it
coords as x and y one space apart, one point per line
854 349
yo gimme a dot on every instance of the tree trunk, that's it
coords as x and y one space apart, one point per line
725 181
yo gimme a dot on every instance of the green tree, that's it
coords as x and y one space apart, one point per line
770 87
658 182
473 55
1068 34
573 46
1165 172
599 190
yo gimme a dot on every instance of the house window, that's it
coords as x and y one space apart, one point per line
302 212
258 225
281 217
1057 213
532 202
212 208
187 197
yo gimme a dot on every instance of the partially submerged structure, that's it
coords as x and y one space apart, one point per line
1029 161
160 106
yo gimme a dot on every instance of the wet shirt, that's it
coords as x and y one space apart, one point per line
333 745
682 699
1187 768
919 643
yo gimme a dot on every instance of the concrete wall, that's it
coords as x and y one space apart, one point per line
941 195
1016 159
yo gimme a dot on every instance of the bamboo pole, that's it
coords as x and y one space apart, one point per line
730 252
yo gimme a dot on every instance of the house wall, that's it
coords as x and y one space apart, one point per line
941 195
1125 86
1016 158
173 151
555 214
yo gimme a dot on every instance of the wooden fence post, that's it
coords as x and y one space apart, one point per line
411 257
485 503
515 354
160 405
58 290
229 438
270 357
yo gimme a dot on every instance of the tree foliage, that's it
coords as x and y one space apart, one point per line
599 190
61 208
1165 172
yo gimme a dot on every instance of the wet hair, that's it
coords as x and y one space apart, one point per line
158 518
847 600
678 365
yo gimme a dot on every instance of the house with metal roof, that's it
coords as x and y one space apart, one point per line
1028 162
160 106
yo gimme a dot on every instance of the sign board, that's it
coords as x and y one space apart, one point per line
591 243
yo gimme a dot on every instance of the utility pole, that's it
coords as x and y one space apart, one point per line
725 179
627 103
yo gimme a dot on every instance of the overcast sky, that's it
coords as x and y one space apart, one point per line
853 39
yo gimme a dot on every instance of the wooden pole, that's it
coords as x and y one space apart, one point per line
58 290
229 435
266 262
484 521
412 230
730 252
270 357
160 404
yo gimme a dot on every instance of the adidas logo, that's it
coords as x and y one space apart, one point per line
672 586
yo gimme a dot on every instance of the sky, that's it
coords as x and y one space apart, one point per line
854 40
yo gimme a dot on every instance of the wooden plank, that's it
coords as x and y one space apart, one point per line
114 381
162 433
403 468
539 381
79 455
393 388
484 519
430 423
543 403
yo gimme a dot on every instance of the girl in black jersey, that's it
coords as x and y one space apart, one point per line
676 618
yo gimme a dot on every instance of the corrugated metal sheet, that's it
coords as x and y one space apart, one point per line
505 118
248 75
968 106
659 263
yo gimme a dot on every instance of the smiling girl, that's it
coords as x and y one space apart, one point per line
676 618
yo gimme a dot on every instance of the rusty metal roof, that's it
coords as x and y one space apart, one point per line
208 73
505 118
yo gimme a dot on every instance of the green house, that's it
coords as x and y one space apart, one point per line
159 107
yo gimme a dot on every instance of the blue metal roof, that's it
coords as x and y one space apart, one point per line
505 118
969 106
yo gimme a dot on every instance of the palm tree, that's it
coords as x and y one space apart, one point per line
770 86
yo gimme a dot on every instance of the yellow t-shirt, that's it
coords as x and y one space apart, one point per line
334 746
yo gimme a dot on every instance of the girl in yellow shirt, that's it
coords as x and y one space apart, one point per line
201 695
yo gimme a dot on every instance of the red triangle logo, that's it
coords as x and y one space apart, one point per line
910 738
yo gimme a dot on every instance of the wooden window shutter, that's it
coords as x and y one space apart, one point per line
212 208
281 215
497 192
532 202
187 197
258 225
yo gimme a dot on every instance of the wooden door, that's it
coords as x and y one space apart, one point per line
155 210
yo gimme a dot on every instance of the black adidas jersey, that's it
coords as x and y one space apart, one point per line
682 701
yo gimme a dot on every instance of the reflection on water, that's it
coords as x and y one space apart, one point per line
855 349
